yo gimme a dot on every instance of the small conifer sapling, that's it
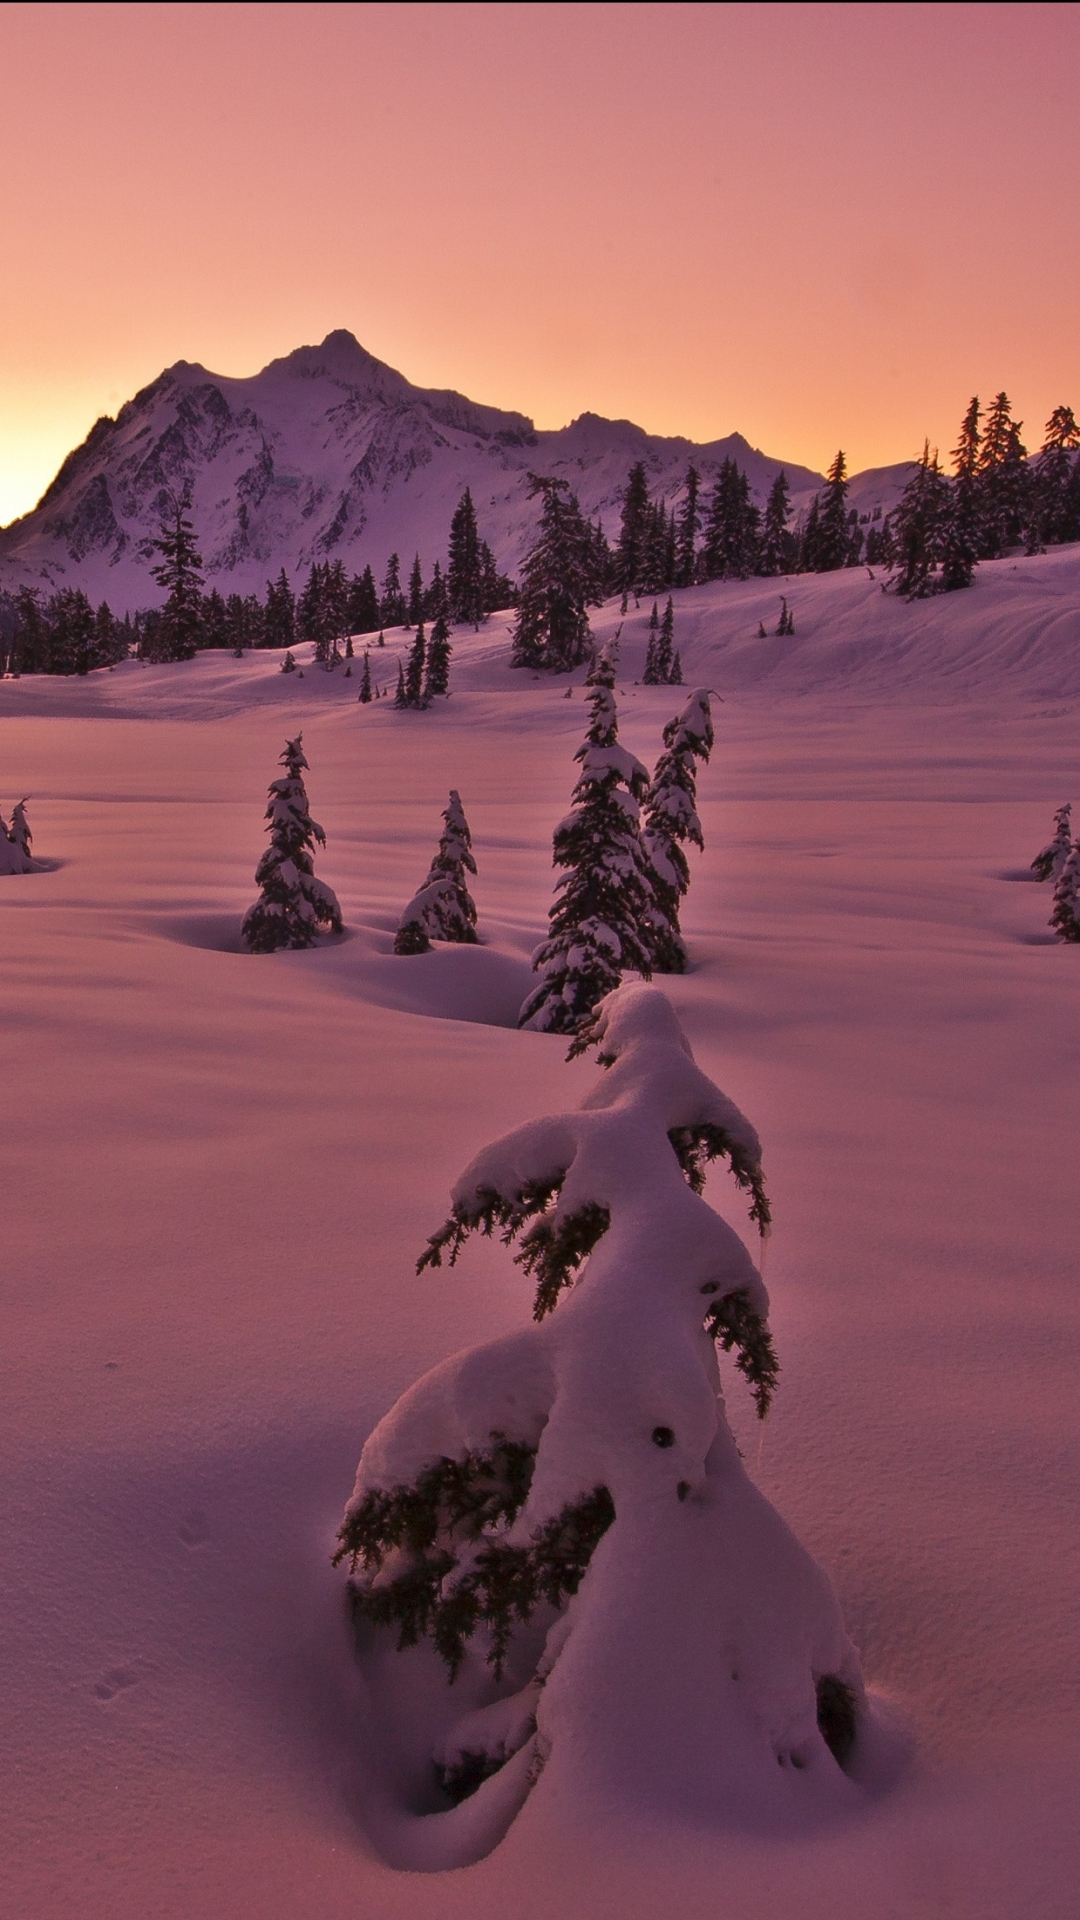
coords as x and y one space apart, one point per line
443 909
1047 865
1065 918
670 820
292 904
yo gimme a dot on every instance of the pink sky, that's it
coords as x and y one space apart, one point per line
820 225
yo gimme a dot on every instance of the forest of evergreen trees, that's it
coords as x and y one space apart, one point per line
997 499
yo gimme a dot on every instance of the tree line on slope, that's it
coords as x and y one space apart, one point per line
997 500
61 633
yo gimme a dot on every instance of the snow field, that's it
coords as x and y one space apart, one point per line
220 1168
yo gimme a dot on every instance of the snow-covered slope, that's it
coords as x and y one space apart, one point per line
326 453
219 1170
1016 633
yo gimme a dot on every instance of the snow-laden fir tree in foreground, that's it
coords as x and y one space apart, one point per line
563 1513
15 842
292 904
598 919
1048 864
670 819
443 909
1065 918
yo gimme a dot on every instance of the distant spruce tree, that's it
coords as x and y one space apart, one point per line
774 555
598 922
72 632
961 537
1001 481
292 904
414 671
311 625
392 603
650 677
1048 864
437 679
551 632
730 542
464 582
443 909
30 637
364 695
363 603
670 820
214 622
1050 520
831 539
179 573
280 623
919 528
660 654
335 618
415 606
16 841
1065 918
436 600
599 563
630 557
687 531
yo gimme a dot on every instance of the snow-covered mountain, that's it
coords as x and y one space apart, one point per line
330 453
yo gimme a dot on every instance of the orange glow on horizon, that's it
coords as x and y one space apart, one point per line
821 226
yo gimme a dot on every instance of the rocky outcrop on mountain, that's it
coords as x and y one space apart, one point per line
326 453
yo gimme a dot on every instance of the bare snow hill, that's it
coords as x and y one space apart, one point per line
329 453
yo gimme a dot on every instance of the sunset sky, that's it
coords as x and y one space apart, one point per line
819 225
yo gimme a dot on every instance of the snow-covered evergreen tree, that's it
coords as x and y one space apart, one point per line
19 832
670 820
364 695
443 909
292 904
1065 918
1047 865
598 918
15 842
701 1652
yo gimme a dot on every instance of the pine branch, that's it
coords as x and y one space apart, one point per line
733 1323
696 1146
459 1503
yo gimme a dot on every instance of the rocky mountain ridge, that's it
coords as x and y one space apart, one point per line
326 454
